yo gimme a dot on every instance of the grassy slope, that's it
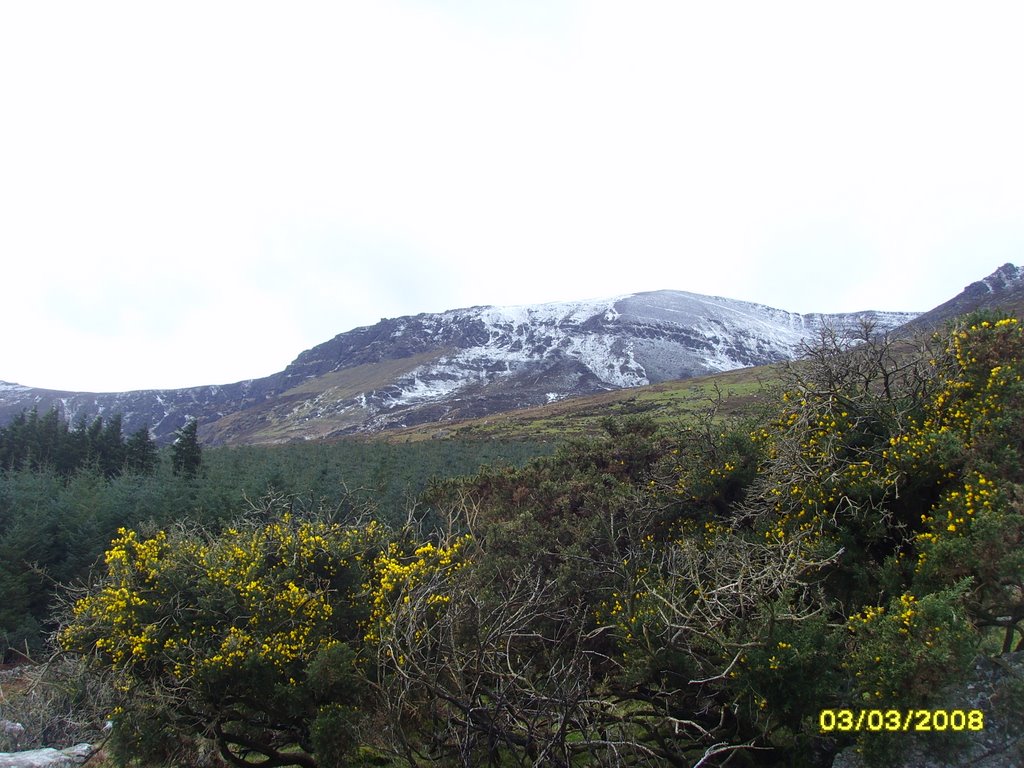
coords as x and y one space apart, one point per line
293 414
740 390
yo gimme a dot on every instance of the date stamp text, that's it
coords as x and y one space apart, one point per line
893 720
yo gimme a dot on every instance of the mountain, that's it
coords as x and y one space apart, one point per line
471 362
464 363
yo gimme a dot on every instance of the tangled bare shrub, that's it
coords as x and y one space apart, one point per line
59 703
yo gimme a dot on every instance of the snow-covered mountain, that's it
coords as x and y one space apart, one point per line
527 355
468 362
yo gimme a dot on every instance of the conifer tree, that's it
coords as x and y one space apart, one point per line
49 440
90 441
186 453
14 442
140 453
112 452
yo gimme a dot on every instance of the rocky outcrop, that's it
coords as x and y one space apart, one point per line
47 757
1002 290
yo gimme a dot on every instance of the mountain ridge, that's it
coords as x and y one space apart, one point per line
473 361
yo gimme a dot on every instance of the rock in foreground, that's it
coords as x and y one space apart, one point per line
47 757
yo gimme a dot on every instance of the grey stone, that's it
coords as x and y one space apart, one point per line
47 757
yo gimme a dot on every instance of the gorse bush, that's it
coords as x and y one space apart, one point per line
903 652
658 596
242 638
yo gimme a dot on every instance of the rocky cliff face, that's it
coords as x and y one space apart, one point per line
465 363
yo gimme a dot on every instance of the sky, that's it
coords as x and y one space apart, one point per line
195 192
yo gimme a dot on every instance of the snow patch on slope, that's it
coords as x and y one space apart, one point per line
429 387
519 336
553 313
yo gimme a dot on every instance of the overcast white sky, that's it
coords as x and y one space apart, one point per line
195 192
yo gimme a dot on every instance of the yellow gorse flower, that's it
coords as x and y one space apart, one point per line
397 577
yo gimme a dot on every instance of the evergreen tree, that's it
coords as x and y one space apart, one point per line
92 439
13 445
51 434
112 451
140 453
186 454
